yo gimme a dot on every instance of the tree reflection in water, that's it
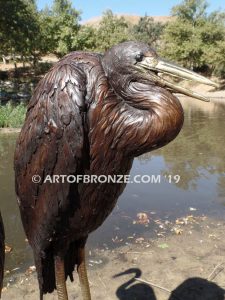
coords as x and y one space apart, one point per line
198 151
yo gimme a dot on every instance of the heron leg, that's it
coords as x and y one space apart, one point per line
82 272
41 296
60 278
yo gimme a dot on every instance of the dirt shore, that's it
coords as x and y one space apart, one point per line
189 261
51 58
9 130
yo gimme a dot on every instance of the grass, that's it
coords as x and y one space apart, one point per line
12 115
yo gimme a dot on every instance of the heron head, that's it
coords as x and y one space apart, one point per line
143 63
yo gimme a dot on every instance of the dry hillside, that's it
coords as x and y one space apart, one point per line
130 18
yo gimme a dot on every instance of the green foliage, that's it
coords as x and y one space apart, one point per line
191 10
28 33
49 42
147 31
195 39
12 116
112 30
85 39
61 24
19 28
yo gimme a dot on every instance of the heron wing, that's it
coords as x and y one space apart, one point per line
50 143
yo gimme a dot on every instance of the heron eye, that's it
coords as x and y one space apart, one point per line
139 57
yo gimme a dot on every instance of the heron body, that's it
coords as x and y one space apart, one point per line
2 252
89 115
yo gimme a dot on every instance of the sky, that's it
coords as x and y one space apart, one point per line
94 8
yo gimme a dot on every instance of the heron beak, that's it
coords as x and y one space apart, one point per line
155 65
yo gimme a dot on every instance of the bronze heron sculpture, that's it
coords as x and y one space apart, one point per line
2 252
90 115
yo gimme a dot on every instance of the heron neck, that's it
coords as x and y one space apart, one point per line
132 117
155 115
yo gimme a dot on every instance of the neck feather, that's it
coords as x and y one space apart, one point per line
135 118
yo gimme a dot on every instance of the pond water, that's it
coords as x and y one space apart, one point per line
197 156
16 91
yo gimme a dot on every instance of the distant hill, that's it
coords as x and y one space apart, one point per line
130 18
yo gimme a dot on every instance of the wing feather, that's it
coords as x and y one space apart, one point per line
50 143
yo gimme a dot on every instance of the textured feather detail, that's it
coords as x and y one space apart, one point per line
51 142
77 124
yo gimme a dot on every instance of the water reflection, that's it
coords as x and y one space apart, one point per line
10 213
199 149
18 90
197 155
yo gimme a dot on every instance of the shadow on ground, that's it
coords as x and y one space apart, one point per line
191 289
198 289
131 289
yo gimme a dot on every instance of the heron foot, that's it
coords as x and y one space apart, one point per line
60 278
82 273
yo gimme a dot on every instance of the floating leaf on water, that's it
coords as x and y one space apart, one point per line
15 269
192 208
190 219
179 222
161 234
30 270
142 218
158 221
163 246
8 249
212 236
116 239
97 262
177 230
161 226
139 240
167 222
186 220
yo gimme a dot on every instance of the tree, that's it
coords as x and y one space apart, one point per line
19 28
191 10
196 39
112 30
147 31
49 41
65 25
85 39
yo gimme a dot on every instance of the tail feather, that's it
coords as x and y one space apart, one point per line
45 272
45 266
71 257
